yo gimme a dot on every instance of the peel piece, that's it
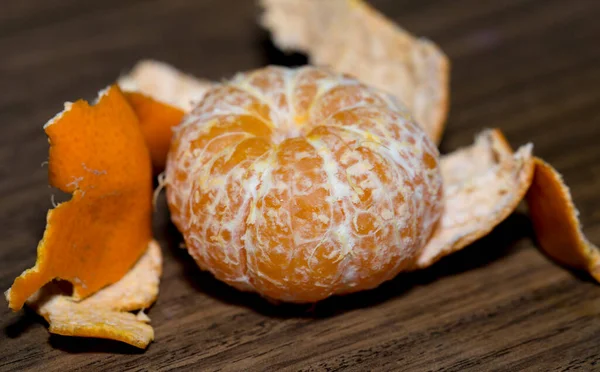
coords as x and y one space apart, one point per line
157 120
138 289
165 83
351 37
98 154
160 96
556 224
483 185
104 314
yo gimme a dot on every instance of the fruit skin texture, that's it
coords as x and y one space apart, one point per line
301 183
98 154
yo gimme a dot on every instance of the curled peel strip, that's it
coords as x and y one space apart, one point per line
555 221
100 240
98 154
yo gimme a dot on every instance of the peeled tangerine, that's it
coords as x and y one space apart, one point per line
303 183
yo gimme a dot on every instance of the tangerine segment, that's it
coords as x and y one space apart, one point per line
483 184
354 38
103 314
196 144
98 154
302 183
555 221
157 120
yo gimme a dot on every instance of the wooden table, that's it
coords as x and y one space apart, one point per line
529 67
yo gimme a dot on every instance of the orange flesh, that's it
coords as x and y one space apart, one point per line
299 184
98 154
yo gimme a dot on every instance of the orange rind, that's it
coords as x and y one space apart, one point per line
556 224
160 95
97 239
105 313
156 119
351 37
138 289
165 83
98 154
483 185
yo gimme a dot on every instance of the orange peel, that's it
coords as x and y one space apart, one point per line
105 313
160 95
351 37
165 83
483 184
556 224
98 154
156 120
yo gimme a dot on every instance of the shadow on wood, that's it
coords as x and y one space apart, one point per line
78 345
21 324
275 56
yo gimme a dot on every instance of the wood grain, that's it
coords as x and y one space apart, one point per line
529 67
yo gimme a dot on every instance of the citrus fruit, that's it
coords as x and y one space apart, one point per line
302 183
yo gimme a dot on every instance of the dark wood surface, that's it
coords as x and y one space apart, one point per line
529 67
